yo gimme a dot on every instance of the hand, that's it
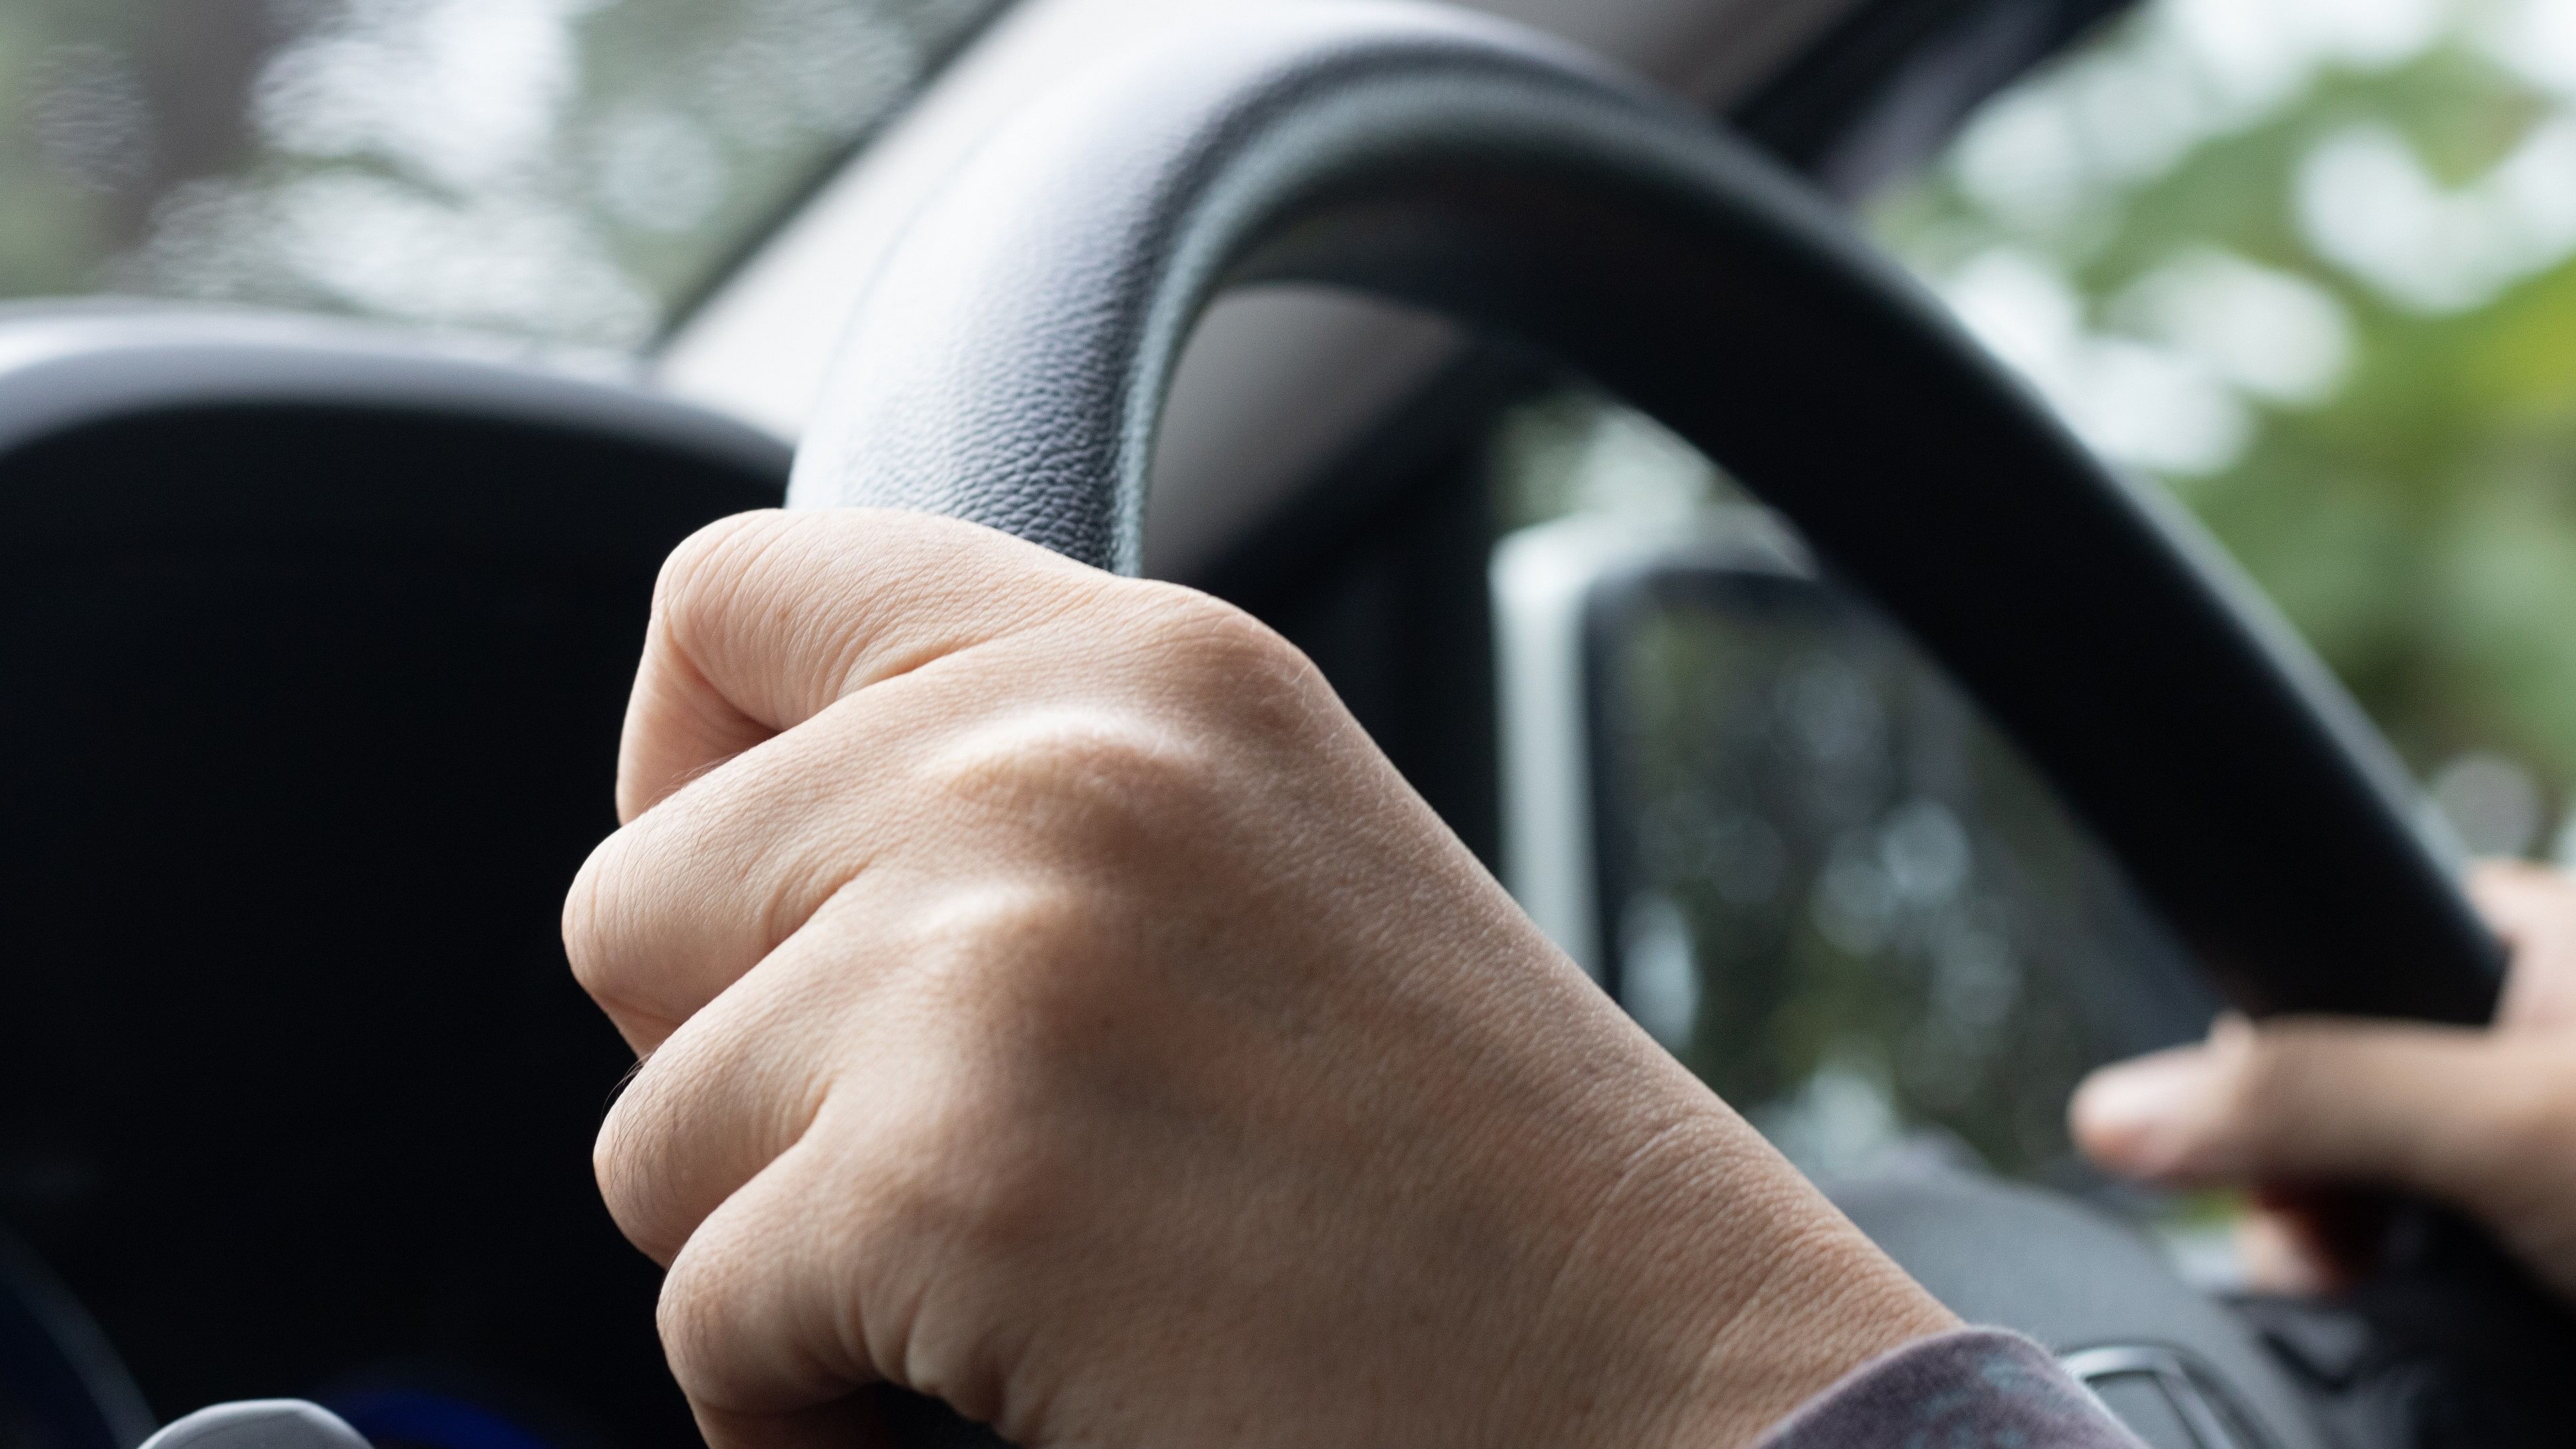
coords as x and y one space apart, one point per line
1051 1001
2482 1119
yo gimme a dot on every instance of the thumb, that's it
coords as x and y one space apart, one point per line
2424 1108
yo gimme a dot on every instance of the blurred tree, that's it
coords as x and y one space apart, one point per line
2310 267
571 170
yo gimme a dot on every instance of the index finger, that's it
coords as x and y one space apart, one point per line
762 620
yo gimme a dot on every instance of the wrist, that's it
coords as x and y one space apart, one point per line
1746 1294
1827 1305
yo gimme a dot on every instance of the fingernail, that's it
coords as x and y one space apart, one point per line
2135 1115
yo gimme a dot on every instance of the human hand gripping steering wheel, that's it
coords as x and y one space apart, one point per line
2483 1119
1051 1001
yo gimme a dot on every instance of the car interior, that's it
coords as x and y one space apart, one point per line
1892 756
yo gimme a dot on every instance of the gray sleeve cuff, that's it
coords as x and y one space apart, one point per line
1975 1388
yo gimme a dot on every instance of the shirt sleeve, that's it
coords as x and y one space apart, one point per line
1977 1388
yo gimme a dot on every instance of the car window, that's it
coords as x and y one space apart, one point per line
1819 875
2312 268
1844 900
573 170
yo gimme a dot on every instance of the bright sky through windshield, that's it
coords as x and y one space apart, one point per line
567 169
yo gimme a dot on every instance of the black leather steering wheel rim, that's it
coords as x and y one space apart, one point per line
1009 364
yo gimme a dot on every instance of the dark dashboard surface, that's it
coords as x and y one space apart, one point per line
310 714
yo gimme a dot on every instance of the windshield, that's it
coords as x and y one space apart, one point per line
571 170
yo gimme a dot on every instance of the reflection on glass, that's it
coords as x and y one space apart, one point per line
1838 895
565 169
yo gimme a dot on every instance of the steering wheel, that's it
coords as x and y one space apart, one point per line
1010 361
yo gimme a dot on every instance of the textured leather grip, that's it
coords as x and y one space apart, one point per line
1011 358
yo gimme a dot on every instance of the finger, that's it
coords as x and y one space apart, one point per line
675 907
739 1085
2416 1107
686 899
759 1320
693 892
2533 907
933 770
762 620
805 1288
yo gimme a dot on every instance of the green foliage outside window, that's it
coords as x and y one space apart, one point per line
2313 266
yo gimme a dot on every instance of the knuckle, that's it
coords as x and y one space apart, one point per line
1085 772
1220 647
2260 1100
1044 981
720 872
713 559
725 596
696 1312
630 1159
997 939
2262 1097
619 909
1213 686
594 917
2265 1075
